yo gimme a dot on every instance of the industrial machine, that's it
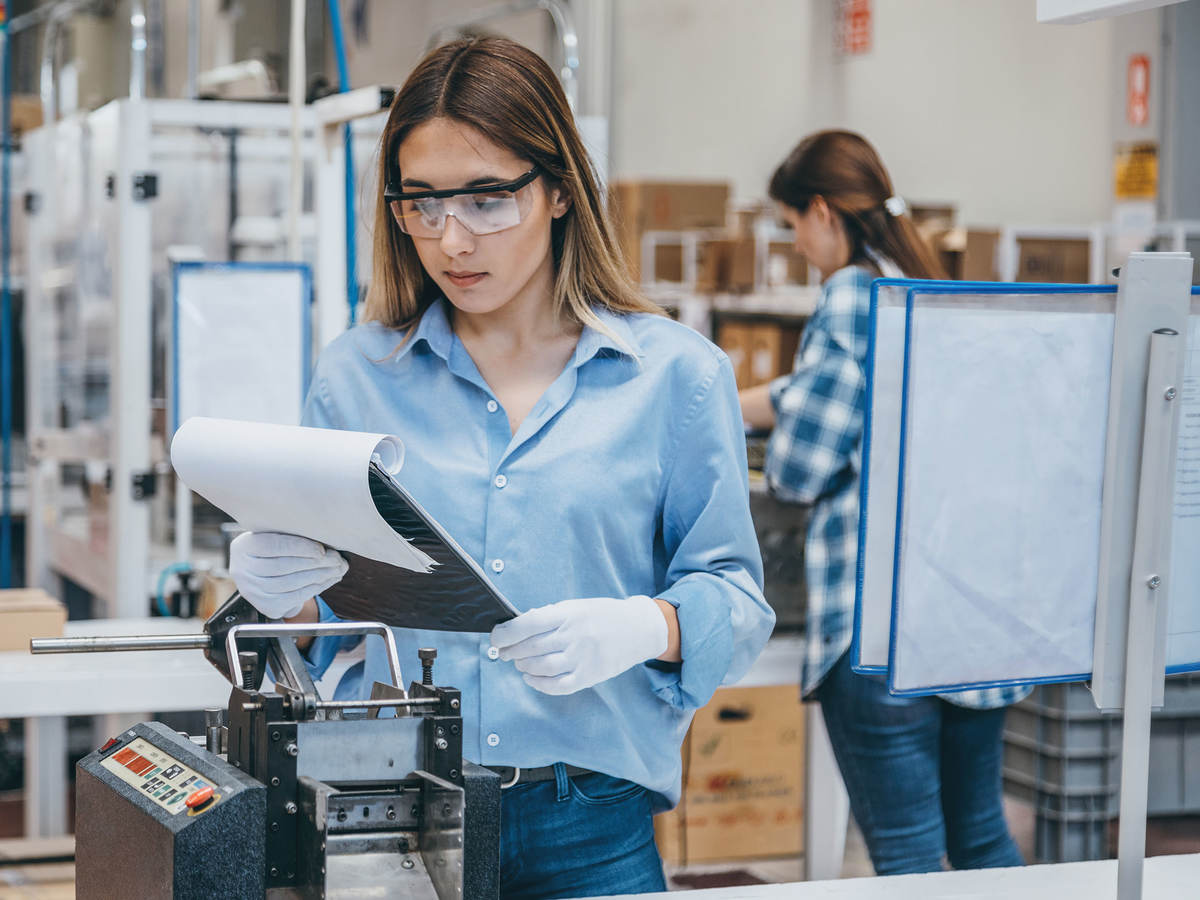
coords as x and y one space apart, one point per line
291 795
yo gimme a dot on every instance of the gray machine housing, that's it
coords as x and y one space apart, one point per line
129 846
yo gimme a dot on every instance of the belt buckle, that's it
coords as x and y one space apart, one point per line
516 776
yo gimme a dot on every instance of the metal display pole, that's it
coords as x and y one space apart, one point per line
1148 595
1153 293
1129 659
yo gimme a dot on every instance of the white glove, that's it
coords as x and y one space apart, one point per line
277 572
566 647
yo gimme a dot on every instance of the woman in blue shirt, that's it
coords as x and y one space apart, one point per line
586 450
923 774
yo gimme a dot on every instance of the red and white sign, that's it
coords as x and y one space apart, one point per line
1137 90
854 26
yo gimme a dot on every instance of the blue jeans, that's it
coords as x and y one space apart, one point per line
587 836
924 775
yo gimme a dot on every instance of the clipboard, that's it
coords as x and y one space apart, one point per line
455 596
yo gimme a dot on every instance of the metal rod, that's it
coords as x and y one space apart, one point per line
137 51
120 642
193 49
317 629
1148 592
377 704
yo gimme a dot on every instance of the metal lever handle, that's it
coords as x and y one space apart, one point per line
320 629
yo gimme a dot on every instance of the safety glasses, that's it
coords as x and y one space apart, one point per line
480 210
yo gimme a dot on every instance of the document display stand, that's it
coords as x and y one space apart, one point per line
1064 472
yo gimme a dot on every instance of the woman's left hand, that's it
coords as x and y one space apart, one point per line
575 644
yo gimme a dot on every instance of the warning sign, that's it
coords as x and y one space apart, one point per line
1137 90
854 26
1135 172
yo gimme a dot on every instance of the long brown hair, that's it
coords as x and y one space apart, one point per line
844 169
510 95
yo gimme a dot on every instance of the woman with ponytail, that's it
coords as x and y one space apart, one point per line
923 773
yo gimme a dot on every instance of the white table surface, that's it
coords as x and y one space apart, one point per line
1166 878
74 684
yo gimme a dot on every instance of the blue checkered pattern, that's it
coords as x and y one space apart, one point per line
814 457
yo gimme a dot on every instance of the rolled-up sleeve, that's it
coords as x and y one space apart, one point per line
714 574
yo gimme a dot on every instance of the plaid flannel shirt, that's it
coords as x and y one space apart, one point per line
814 457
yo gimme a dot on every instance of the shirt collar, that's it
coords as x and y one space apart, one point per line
434 329
593 340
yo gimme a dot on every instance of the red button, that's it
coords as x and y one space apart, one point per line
108 744
198 797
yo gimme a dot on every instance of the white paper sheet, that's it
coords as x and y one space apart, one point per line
1183 601
1002 493
882 465
306 481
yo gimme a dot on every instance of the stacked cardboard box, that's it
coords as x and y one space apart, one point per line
1053 260
759 347
743 780
28 613
640 206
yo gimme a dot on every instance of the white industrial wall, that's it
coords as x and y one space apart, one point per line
969 101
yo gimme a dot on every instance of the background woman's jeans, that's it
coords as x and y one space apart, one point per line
923 775
586 836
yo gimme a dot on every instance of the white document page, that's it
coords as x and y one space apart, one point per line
306 481
1001 495
1183 600
881 469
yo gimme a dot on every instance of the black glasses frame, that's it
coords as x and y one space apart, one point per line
390 192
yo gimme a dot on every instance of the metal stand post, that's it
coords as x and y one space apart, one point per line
1148 594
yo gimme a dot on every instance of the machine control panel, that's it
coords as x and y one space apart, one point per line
160 777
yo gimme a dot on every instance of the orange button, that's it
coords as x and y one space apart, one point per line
198 797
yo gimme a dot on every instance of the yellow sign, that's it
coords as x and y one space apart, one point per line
1135 172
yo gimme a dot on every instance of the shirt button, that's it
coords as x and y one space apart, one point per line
493 653
500 481
497 566
492 406
493 740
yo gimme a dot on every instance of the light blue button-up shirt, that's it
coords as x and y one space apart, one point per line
627 477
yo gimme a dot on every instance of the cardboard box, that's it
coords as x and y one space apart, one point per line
759 350
785 265
640 206
979 255
1053 260
25 112
28 613
932 218
743 780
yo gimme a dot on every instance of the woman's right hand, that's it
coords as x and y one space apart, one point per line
279 573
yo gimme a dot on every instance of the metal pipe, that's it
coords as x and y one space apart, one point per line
137 50
296 76
318 629
193 49
564 29
376 704
120 642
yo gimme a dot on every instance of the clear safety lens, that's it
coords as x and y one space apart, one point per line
478 213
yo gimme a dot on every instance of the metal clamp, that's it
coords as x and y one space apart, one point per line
516 776
319 629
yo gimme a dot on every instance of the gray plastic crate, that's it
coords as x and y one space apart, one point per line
1068 836
1064 757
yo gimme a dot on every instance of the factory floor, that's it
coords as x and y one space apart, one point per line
53 881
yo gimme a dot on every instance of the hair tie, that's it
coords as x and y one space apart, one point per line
895 206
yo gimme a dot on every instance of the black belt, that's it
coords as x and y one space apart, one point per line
514 775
